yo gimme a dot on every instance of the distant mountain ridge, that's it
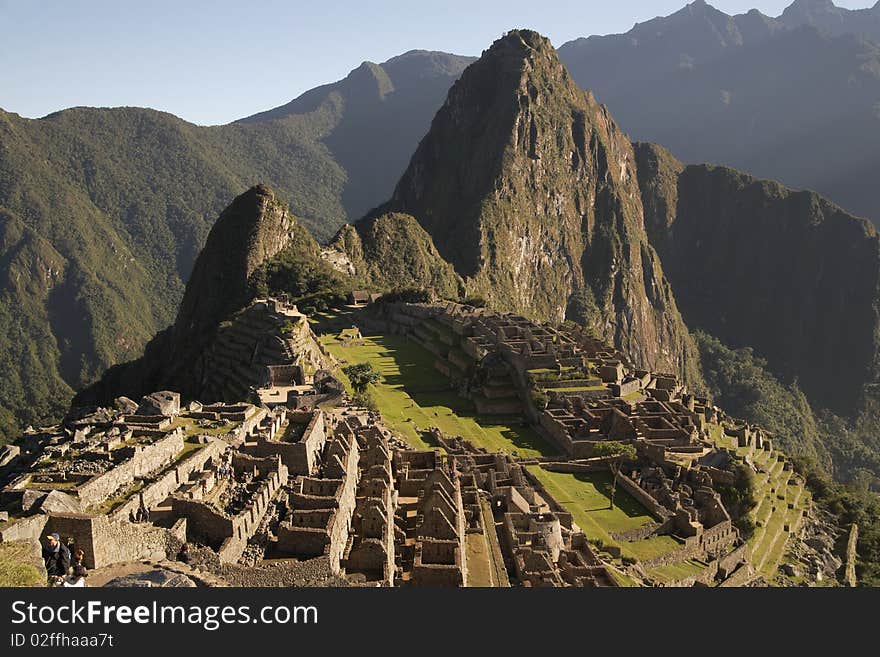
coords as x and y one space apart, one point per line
125 198
758 265
794 98
121 200
524 191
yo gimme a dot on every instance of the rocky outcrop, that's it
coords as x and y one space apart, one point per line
755 264
528 187
255 228
393 251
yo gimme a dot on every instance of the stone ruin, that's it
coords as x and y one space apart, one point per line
334 492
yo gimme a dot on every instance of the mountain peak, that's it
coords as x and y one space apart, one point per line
253 229
527 187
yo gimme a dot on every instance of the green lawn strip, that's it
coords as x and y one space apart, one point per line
583 499
562 494
578 389
479 567
763 546
413 397
652 547
588 495
112 503
773 551
17 565
188 449
677 571
621 577
763 512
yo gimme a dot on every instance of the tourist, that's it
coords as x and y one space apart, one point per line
79 574
57 559
183 555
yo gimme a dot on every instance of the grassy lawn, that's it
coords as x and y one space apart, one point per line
587 496
579 389
652 547
18 567
413 397
621 577
677 571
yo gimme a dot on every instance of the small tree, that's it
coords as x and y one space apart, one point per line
617 452
366 399
361 376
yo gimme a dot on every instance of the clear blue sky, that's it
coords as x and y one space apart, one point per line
213 62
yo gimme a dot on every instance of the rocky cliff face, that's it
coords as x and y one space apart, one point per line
253 229
249 233
528 187
759 265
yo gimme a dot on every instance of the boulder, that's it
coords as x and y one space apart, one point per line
820 542
152 578
194 406
791 570
30 499
4 516
831 563
58 502
8 453
163 402
125 405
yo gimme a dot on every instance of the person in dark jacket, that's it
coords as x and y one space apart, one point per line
56 557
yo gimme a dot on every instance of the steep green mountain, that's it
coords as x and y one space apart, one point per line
30 272
795 98
249 234
758 265
528 188
739 381
125 198
393 251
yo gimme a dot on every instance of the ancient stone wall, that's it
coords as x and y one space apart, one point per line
227 534
105 542
730 562
301 457
327 529
26 529
740 577
146 459
642 496
171 480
